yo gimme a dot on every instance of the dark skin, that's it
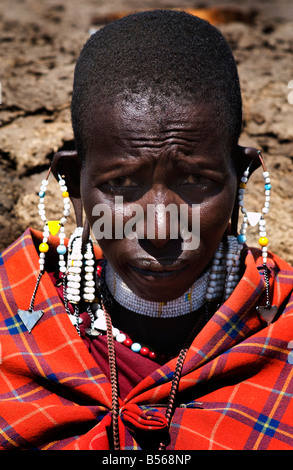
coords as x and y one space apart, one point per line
150 156
153 157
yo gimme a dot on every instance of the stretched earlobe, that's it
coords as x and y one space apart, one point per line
244 157
67 164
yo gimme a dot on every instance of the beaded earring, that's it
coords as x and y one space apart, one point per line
254 218
224 275
80 282
30 317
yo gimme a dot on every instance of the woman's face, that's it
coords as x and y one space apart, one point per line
151 157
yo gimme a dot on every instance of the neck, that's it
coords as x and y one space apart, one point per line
163 335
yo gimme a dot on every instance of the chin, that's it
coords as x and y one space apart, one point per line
158 287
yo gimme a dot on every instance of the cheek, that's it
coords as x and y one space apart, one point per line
216 212
112 250
108 227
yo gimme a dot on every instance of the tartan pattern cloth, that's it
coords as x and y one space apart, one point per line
235 391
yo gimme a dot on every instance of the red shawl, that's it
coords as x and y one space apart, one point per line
235 391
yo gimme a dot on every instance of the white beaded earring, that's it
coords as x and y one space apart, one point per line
253 218
233 265
217 275
30 317
72 283
74 267
80 276
89 268
53 226
224 275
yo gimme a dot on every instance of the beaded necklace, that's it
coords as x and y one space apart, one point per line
99 327
191 300
216 284
223 277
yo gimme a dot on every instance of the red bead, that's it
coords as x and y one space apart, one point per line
153 355
127 342
144 351
99 270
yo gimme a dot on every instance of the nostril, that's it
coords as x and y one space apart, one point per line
159 242
162 248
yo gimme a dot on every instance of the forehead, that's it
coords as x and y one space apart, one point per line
141 121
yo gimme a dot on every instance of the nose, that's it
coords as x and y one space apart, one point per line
162 249
162 223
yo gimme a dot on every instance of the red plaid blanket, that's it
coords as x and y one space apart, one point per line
235 391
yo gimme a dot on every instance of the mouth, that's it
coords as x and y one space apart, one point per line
152 270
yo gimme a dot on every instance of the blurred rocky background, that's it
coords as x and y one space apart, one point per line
40 41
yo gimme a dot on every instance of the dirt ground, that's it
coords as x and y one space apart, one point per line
40 41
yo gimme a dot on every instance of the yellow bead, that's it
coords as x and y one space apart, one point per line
263 241
65 194
44 247
242 185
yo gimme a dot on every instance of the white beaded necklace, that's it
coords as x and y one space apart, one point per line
218 282
191 300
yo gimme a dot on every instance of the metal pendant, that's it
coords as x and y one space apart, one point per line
253 218
30 318
73 319
92 332
100 324
268 313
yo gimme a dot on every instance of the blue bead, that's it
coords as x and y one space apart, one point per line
241 238
136 347
268 186
42 194
61 249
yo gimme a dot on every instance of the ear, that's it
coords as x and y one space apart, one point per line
243 157
68 165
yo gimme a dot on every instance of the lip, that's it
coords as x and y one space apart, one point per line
153 270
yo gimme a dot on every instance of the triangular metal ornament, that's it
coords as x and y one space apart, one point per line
100 324
73 319
29 319
268 313
93 332
253 218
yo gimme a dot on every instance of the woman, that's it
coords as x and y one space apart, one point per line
173 334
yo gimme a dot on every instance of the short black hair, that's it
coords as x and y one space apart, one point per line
168 53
